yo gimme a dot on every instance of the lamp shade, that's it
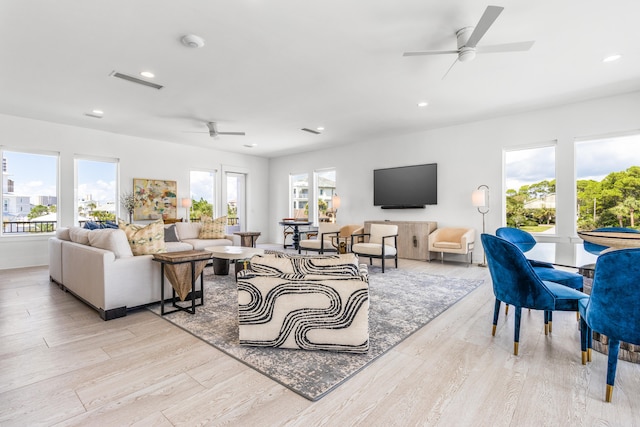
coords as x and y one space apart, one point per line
480 198
186 203
335 202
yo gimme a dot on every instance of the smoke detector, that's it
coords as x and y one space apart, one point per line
191 40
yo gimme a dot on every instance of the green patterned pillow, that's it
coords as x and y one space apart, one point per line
213 228
145 239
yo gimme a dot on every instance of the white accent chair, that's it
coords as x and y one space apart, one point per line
452 240
381 242
324 241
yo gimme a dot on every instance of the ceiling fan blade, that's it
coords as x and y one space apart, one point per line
429 52
231 133
454 63
488 17
506 47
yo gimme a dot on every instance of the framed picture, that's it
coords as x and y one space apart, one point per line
154 199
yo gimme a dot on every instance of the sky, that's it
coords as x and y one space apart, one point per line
594 159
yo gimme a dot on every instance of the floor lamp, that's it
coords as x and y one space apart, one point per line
480 199
186 203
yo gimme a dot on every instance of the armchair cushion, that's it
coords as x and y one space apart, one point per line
458 240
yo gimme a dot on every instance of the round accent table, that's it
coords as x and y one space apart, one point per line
223 254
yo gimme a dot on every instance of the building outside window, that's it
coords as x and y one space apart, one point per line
530 182
299 195
29 192
96 189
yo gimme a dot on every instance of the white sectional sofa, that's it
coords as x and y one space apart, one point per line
98 267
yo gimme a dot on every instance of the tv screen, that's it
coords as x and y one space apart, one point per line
406 187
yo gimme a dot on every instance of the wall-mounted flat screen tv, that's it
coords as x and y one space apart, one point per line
406 187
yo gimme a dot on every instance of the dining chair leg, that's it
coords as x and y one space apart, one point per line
496 313
584 341
516 338
612 363
506 309
546 322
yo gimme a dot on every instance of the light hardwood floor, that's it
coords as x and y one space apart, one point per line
60 364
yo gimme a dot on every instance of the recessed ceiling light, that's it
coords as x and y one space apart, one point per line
612 58
147 74
97 112
320 128
422 104
251 145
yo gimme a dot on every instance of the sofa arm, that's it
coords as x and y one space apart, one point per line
234 238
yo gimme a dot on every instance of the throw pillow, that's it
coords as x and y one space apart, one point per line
145 239
170 234
213 229
92 225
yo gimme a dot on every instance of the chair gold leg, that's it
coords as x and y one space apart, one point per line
493 331
609 393
550 327
578 316
506 309
584 357
588 355
515 348
546 329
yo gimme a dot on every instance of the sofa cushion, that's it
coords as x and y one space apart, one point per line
178 246
111 240
79 235
188 230
145 239
213 228
200 244
62 233
170 234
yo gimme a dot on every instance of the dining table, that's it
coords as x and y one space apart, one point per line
296 230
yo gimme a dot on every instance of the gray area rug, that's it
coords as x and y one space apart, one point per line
401 302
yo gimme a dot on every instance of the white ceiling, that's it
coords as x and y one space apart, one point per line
270 68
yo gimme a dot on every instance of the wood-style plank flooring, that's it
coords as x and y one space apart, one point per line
60 364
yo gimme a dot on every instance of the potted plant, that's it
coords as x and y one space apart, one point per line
128 202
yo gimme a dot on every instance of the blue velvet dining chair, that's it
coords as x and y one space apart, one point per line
525 242
515 282
613 309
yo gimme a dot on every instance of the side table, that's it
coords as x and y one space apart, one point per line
248 238
182 268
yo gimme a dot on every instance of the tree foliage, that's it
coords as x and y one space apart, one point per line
612 202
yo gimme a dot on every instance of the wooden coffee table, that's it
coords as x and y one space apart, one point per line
223 254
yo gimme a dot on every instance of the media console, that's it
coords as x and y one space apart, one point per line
413 237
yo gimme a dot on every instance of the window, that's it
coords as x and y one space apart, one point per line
531 189
96 189
29 192
325 183
608 182
202 189
299 195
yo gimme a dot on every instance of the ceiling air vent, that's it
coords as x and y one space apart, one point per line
136 80
311 131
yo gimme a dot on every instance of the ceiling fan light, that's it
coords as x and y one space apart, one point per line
612 58
466 54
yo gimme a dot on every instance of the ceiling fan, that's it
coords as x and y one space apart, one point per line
468 38
213 130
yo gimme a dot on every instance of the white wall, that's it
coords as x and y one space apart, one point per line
139 158
468 155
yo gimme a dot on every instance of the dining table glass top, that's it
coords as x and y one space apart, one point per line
565 254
